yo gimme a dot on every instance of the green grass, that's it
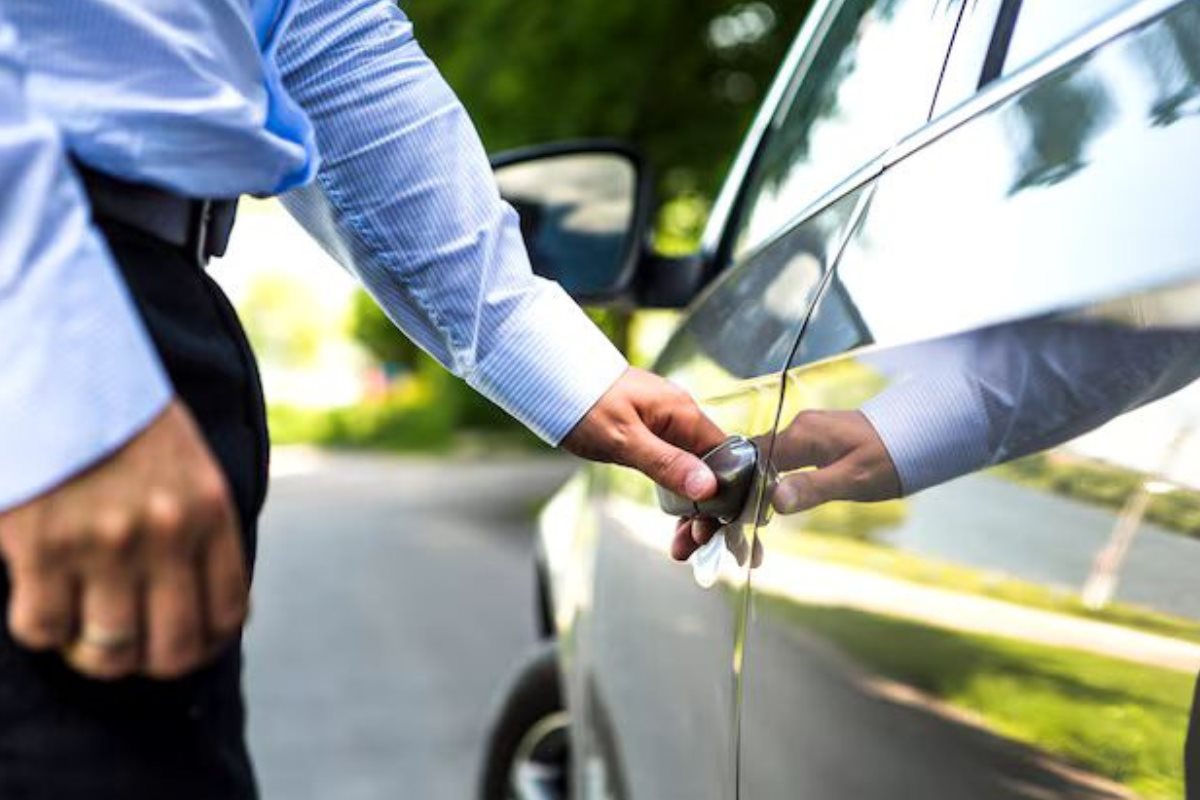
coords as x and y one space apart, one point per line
932 572
1117 719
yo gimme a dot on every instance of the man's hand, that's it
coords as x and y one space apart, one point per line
134 566
651 425
851 464
850 459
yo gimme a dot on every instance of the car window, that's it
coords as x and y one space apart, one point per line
1042 25
869 79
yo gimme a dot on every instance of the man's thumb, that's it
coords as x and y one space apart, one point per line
671 467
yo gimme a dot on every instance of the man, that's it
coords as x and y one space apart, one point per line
133 453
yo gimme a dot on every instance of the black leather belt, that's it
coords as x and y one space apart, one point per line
199 226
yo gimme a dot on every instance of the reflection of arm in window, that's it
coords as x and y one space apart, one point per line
998 394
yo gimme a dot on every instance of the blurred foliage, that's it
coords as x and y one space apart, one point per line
858 521
371 328
429 410
425 408
1107 485
680 224
679 78
432 426
283 319
614 323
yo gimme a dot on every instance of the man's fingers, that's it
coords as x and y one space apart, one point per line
226 588
109 638
703 529
683 545
692 533
801 491
797 445
690 428
175 641
671 467
41 608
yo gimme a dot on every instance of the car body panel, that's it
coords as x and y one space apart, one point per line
1028 631
1031 630
657 697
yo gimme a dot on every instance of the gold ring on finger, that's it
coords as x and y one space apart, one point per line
106 639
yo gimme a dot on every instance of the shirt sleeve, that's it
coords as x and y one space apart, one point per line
993 395
80 376
405 199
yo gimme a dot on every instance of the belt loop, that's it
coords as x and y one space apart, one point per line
200 229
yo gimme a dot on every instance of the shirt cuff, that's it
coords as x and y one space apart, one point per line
550 365
934 427
81 377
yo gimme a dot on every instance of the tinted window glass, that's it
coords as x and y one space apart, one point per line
1045 24
870 78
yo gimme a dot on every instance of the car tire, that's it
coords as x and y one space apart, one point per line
526 752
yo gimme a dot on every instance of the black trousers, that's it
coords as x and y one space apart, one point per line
64 737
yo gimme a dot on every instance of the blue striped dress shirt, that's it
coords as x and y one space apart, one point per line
331 103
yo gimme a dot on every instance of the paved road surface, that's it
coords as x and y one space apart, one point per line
391 600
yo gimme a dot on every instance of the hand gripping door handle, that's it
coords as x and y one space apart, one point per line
735 463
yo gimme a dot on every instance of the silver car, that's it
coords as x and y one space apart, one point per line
971 231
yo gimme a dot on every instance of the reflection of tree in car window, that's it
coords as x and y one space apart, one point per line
1054 122
1171 52
863 86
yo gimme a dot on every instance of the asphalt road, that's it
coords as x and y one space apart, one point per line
392 599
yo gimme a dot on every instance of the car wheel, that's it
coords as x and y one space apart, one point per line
527 751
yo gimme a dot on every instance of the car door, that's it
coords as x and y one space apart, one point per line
655 682
1011 338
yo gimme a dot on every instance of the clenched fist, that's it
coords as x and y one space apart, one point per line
135 566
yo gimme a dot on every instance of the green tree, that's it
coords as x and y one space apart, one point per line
680 78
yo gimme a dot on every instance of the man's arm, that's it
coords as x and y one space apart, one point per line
405 199
95 459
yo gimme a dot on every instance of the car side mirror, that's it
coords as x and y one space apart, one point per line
584 209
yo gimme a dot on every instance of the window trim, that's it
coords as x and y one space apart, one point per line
1006 86
1002 33
717 241
714 242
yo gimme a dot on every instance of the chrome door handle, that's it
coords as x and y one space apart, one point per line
735 463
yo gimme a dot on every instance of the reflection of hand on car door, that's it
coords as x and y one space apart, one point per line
830 455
